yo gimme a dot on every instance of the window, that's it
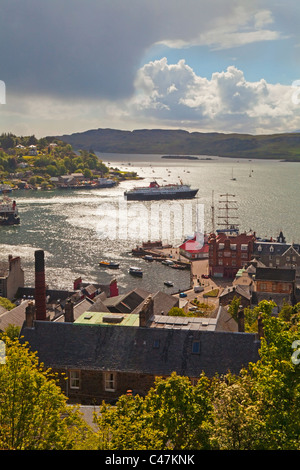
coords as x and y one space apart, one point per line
221 246
277 261
110 382
156 344
259 248
196 347
287 258
233 246
75 379
244 247
271 249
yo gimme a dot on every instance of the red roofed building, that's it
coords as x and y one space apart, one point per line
229 252
195 249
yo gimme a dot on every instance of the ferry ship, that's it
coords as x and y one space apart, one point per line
154 191
8 212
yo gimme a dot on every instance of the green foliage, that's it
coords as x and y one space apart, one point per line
6 303
33 410
259 408
176 312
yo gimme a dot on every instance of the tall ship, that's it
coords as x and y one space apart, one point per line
154 191
8 212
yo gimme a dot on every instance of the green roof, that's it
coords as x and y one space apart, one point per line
107 319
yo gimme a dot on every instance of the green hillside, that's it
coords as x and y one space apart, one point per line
180 142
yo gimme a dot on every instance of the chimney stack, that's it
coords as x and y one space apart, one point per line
241 321
69 312
40 285
146 311
29 315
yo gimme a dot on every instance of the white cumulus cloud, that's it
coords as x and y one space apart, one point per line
227 101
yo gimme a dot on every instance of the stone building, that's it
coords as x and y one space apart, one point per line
11 277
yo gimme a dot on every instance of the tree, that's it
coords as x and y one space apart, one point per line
33 410
179 411
176 312
234 307
6 303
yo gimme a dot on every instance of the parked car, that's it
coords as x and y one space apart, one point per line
205 276
182 294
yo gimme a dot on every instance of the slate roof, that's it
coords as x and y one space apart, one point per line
239 289
275 274
13 317
140 350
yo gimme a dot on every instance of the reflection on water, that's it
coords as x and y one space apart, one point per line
77 229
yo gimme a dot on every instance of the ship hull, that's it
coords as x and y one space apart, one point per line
158 196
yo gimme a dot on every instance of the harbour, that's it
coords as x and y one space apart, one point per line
73 230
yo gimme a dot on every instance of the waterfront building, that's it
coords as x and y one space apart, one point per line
278 253
229 251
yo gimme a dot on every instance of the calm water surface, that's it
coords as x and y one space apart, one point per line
77 229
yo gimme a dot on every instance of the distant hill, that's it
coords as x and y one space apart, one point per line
180 142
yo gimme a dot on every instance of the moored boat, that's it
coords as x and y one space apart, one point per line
135 271
167 262
156 192
8 212
109 264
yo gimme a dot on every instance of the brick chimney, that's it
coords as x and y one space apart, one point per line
146 311
40 285
69 312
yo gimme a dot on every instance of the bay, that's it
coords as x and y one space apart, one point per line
77 229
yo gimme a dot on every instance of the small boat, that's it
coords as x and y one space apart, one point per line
167 262
148 257
8 212
109 264
135 271
168 283
178 266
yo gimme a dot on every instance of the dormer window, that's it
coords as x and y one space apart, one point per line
271 249
259 248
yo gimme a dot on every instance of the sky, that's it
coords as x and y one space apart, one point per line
209 66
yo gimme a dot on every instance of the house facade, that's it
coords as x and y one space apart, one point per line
102 355
229 252
278 253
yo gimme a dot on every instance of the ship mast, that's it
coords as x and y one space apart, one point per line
212 212
226 208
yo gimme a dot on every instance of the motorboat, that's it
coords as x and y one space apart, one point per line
135 271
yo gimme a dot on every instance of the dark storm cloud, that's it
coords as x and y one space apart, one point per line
71 47
91 48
